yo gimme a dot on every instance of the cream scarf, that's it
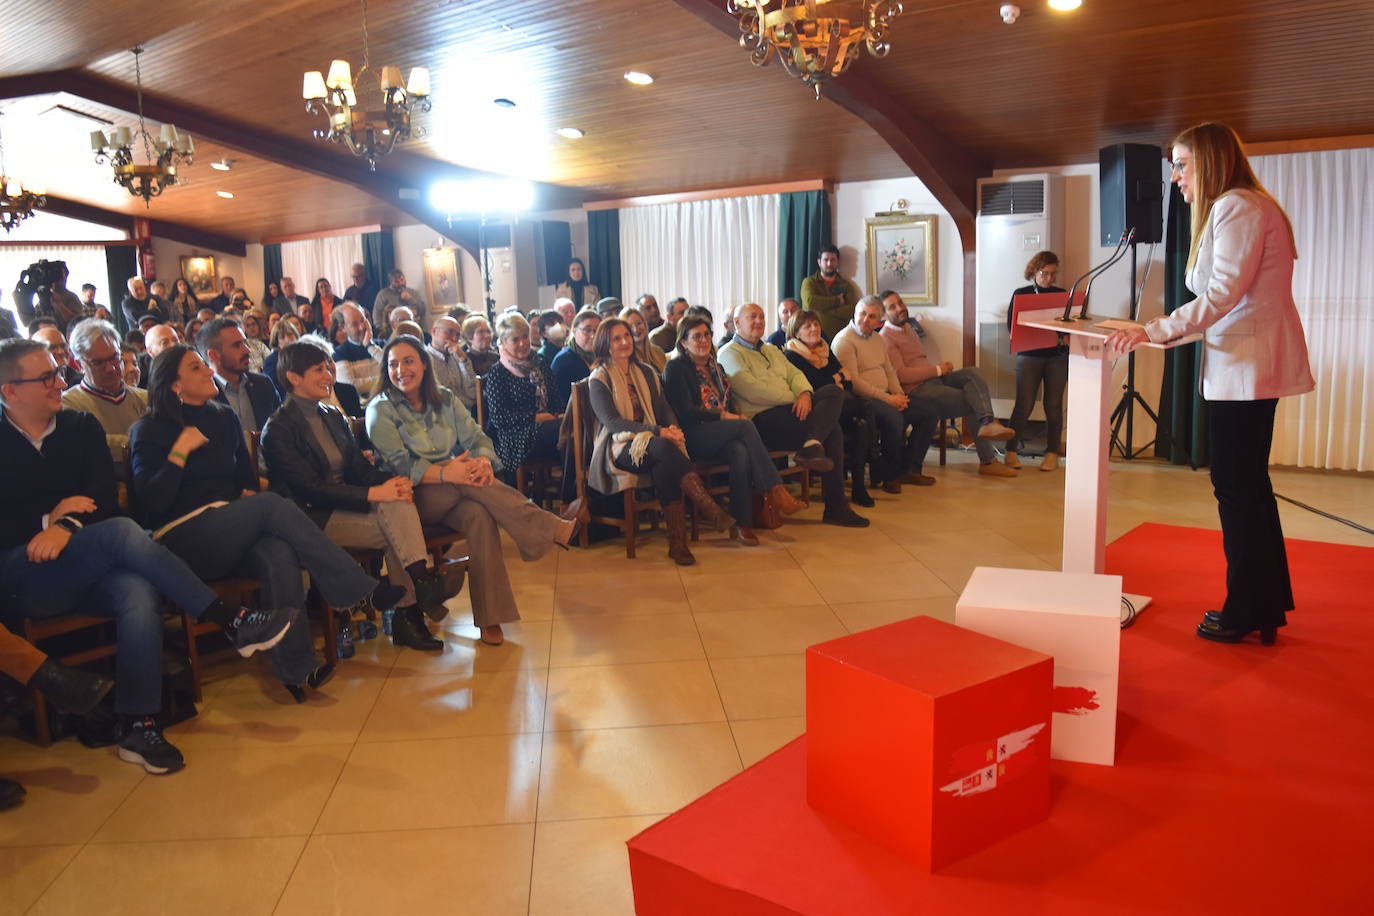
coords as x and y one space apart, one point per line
818 357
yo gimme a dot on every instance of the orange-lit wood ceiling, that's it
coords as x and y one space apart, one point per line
1052 88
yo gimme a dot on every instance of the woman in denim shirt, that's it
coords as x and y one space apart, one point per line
424 432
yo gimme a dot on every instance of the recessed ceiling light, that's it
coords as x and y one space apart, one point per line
223 165
570 133
503 103
639 79
227 195
1065 5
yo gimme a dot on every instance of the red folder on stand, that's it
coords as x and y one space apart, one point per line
1024 338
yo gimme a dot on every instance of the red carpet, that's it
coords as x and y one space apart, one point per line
1244 780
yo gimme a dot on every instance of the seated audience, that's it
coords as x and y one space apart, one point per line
140 302
861 350
193 329
258 351
477 343
459 313
424 432
566 309
158 338
196 489
362 289
221 302
789 414
807 350
342 395
101 392
313 459
574 362
57 346
647 353
637 435
948 391
608 307
132 372
305 312
648 307
786 309
554 334
63 550
354 360
286 331
516 395
452 366
665 335
250 395
699 394
290 300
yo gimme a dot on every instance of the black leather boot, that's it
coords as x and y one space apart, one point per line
11 793
70 690
434 587
408 629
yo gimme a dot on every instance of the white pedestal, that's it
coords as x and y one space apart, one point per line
1074 617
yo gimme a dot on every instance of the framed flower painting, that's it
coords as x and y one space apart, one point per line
901 256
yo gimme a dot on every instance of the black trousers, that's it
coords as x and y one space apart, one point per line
781 430
1258 588
664 462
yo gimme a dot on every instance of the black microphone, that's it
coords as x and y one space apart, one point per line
1122 244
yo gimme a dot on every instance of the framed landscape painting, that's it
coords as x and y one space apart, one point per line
901 256
199 272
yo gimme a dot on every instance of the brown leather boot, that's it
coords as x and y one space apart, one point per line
710 510
675 520
783 500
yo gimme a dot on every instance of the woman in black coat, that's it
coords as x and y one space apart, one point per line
313 459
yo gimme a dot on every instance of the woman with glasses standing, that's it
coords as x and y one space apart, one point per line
1047 366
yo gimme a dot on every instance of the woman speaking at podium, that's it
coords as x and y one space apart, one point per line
1254 352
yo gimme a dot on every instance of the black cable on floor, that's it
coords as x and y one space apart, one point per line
1335 518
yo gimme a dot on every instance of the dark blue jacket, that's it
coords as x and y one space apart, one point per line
218 470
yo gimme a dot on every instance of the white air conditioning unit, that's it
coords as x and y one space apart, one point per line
1017 216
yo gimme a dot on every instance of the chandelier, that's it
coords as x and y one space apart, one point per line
147 179
17 202
369 133
816 40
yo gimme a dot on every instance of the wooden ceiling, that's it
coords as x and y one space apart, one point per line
1053 88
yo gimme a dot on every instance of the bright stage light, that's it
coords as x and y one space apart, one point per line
1065 5
482 195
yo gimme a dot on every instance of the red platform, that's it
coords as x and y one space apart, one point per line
1242 782
969 763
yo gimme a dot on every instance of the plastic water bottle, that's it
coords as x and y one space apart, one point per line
386 620
344 646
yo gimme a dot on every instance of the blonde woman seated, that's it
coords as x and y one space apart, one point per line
313 459
646 352
518 396
423 432
637 434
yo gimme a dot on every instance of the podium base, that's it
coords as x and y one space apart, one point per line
1131 606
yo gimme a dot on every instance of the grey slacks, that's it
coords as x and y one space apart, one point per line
394 527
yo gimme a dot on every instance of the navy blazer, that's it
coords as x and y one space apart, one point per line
262 394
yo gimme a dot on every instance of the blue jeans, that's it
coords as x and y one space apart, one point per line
267 537
109 569
737 444
961 393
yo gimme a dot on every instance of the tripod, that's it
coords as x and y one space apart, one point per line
1124 412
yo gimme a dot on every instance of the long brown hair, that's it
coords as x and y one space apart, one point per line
429 388
1219 166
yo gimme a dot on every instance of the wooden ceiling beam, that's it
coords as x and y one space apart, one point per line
177 232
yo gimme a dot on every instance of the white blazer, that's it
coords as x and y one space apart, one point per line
1253 343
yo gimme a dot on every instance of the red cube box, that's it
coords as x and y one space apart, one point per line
930 739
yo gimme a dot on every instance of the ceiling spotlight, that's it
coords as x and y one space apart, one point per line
222 165
503 103
1065 5
639 79
227 195
570 133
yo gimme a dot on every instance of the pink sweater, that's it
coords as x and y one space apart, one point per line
907 356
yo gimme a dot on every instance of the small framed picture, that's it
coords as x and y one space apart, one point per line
199 271
901 256
442 283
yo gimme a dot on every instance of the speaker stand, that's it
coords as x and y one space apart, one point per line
1124 412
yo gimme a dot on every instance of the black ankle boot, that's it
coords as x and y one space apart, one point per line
11 793
434 587
70 690
408 629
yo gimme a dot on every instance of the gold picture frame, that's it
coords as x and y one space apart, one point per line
443 283
198 270
902 256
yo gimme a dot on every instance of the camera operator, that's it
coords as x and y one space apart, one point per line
42 293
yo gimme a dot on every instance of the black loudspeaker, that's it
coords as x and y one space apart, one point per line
554 251
1131 192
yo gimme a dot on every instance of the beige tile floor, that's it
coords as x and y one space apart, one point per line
506 780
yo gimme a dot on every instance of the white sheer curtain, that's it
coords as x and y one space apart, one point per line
332 258
717 253
1329 197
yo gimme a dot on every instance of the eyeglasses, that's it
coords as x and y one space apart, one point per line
105 361
700 337
47 379
1178 165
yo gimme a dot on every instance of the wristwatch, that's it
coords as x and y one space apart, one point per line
71 526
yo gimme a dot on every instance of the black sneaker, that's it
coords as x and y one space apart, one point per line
11 793
255 630
812 457
385 596
144 744
845 518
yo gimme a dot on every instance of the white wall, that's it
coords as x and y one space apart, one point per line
855 201
410 243
169 253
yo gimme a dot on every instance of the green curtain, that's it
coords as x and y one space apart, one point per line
379 257
121 263
271 267
804 229
603 257
1182 434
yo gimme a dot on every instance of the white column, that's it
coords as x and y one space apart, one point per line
1085 474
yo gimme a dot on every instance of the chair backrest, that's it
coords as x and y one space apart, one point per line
358 427
578 405
481 406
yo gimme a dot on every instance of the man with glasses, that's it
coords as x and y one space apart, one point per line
63 549
101 391
574 362
57 346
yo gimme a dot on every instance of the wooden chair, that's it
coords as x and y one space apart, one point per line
580 408
707 471
36 629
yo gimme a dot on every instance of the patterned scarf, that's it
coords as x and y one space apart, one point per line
818 357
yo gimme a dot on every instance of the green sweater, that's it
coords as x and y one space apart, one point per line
833 302
760 378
